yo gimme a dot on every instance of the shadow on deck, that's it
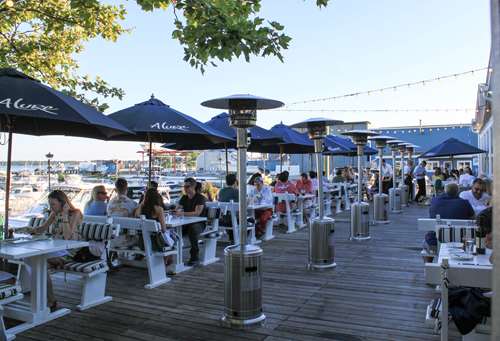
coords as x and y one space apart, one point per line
377 292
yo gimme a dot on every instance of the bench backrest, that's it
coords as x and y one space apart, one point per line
99 232
36 222
138 224
430 224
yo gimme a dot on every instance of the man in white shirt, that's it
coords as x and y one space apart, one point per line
386 176
467 178
420 173
122 206
476 196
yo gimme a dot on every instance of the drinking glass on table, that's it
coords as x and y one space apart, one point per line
180 212
469 247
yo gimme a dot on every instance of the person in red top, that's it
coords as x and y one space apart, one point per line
284 186
304 184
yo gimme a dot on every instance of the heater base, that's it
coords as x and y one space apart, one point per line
360 238
311 266
381 222
228 321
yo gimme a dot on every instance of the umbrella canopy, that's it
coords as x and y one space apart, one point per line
154 121
30 107
293 142
257 134
451 147
336 145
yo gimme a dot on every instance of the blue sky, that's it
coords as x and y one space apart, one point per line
351 45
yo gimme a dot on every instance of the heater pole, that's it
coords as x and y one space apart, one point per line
241 135
360 170
318 144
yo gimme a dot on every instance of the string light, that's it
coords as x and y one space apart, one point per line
381 110
394 87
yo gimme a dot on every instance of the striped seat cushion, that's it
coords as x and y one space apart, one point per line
86 267
36 221
95 231
8 290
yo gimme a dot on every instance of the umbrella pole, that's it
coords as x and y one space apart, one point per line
281 159
150 153
7 186
227 165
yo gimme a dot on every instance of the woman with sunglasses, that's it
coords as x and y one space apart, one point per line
98 203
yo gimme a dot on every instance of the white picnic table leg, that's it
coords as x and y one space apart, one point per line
179 263
35 312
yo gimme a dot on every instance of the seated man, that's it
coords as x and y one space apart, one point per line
192 205
304 184
450 206
261 194
447 206
121 205
339 176
477 196
230 191
466 179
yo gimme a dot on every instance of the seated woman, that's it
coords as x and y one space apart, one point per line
437 181
261 195
152 208
284 186
98 203
63 220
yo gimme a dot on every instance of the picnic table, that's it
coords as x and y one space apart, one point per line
177 223
35 254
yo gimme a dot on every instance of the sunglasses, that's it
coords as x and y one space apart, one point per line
105 193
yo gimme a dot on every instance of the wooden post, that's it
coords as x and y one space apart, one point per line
495 107
7 186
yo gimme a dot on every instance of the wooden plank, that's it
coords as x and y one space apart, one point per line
377 292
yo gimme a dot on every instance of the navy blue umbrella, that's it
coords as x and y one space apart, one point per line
154 121
293 143
30 107
451 147
336 145
220 123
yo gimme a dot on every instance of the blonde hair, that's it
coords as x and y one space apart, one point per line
95 191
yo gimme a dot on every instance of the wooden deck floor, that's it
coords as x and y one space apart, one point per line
376 292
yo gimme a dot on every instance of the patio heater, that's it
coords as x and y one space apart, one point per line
242 263
404 188
394 192
380 200
360 228
321 253
49 156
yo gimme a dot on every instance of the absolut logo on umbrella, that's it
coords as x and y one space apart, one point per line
167 126
10 103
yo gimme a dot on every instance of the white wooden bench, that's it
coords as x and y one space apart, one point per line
93 274
209 237
447 230
8 293
233 209
457 276
153 260
292 220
